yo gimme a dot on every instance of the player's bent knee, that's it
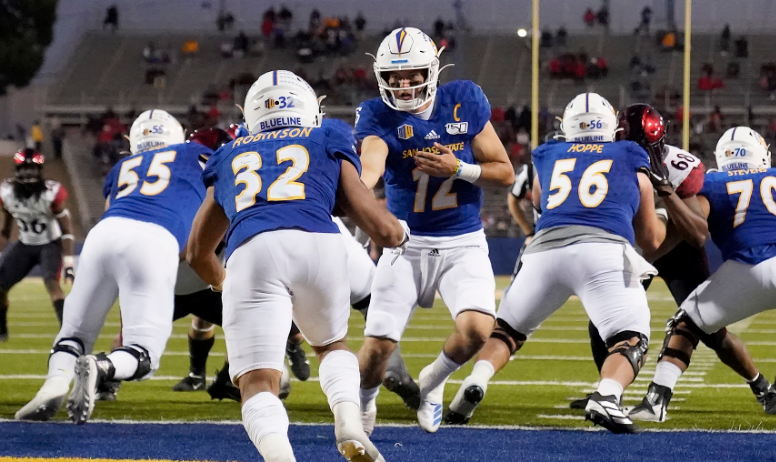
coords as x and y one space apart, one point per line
145 367
635 354
505 333
681 325
715 341
382 325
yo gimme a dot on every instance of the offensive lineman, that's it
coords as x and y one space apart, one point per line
434 147
739 204
45 232
273 194
596 200
133 254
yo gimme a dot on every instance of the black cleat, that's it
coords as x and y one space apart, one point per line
766 396
580 404
404 386
3 326
107 390
654 406
222 387
461 410
297 361
606 412
3 336
190 383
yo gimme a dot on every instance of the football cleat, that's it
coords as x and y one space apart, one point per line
222 387
352 442
88 375
768 400
606 412
108 389
654 406
190 383
3 336
398 380
368 417
430 410
297 360
465 402
581 403
47 402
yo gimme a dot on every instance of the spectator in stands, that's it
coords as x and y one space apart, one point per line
241 45
668 42
561 36
227 49
589 18
360 24
190 48
439 28
742 47
36 133
646 19
285 17
715 120
545 40
603 17
111 20
733 70
315 22
724 40
57 137
267 24
213 115
225 21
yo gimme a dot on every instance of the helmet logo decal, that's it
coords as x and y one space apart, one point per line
400 36
274 77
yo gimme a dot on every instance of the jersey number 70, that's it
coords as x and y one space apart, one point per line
745 188
284 188
593 176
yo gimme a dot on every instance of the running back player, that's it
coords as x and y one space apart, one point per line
45 232
434 146
132 254
272 194
597 201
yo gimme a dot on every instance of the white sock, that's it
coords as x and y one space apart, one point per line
482 372
610 387
368 395
266 422
667 374
61 364
340 378
437 373
124 363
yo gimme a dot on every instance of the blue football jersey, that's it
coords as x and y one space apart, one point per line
281 179
162 186
742 220
590 184
431 206
343 127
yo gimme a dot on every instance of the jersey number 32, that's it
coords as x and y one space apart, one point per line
284 188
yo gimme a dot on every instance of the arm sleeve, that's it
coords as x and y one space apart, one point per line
481 113
340 147
692 185
366 123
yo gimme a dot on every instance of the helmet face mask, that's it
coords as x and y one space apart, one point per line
643 125
407 49
742 148
280 99
28 180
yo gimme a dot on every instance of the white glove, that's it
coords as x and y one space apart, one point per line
397 251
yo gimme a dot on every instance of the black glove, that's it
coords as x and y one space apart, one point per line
658 175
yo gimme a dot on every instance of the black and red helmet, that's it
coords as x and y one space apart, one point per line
212 138
28 156
642 124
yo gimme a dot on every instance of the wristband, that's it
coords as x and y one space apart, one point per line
68 261
468 172
68 236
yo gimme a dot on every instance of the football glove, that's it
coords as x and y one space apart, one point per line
68 268
658 175
399 250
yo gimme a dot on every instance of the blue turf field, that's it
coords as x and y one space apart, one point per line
406 444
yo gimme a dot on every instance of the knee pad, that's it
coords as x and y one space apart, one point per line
680 324
143 360
70 345
634 353
508 335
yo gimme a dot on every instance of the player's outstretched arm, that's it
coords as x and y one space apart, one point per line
649 229
360 205
207 231
5 231
374 152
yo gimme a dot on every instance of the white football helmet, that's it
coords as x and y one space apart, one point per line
589 117
741 148
407 48
281 99
153 129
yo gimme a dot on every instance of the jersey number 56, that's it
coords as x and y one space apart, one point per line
592 177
